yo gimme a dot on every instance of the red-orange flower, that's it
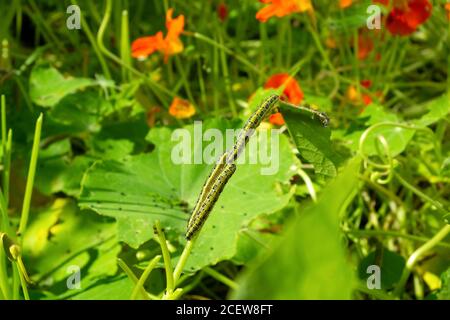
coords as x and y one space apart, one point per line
407 15
292 92
276 119
181 109
345 3
365 46
281 8
222 11
168 45
447 8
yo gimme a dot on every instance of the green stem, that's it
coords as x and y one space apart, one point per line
414 257
15 282
421 195
30 178
133 278
23 282
308 183
226 76
3 122
140 283
394 234
91 39
319 46
125 46
7 169
5 287
378 294
220 277
184 79
101 31
170 285
230 52
183 258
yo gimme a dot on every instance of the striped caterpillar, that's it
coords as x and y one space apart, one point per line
225 167
213 188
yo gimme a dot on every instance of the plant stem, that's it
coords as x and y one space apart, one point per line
7 168
15 283
5 288
421 195
230 52
133 278
91 38
414 257
30 178
308 183
125 46
183 258
220 277
379 294
170 285
140 283
395 234
23 283
3 122
226 76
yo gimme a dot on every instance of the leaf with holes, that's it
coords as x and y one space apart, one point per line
312 140
141 189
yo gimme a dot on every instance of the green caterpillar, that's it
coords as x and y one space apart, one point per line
225 167
202 211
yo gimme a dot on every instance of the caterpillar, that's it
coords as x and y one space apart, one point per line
225 167
218 167
250 126
204 207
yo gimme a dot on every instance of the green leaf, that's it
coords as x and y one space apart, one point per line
62 236
109 288
437 108
445 168
309 262
312 141
354 18
81 111
444 291
396 137
48 86
390 263
139 190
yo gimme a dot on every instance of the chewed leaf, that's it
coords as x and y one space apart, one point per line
312 140
138 190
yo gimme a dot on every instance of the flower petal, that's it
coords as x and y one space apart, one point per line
181 109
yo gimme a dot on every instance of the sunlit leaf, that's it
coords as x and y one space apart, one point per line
48 86
309 262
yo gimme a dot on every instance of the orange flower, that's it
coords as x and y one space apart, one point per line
168 45
447 8
331 43
143 47
181 109
281 8
292 89
276 119
364 98
345 3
